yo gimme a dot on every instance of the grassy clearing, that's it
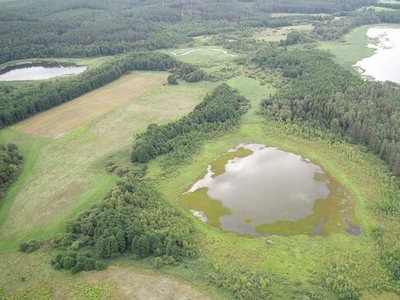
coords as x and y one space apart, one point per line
31 277
60 120
215 61
376 8
277 34
69 174
203 56
351 48
30 148
253 91
389 1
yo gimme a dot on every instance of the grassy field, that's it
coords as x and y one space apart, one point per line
253 91
277 34
351 48
68 175
203 56
31 277
62 119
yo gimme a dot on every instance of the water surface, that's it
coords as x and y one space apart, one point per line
262 190
39 71
385 63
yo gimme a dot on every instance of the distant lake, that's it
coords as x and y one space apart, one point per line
39 71
385 63
255 190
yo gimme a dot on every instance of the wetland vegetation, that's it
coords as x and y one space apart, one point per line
227 109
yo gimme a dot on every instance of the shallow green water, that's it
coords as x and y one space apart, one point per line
256 190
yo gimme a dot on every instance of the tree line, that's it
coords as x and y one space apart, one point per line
324 95
219 111
10 166
22 101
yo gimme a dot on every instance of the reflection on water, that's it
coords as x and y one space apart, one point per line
385 63
270 191
39 71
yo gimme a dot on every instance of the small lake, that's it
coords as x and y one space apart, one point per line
385 63
260 190
39 71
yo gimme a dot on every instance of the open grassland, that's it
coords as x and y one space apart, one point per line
277 34
216 62
377 8
203 56
31 277
298 258
68 175
253 91
351 48
60 120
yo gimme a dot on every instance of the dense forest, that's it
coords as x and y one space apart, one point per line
322 94
133 218
221 110
10 166
20 102
84 28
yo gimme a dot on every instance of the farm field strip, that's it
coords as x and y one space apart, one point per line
55 123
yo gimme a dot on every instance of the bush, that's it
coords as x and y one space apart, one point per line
30 246
76 262
172 80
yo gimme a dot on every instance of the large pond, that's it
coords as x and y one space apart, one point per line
385 63
259 190
39 71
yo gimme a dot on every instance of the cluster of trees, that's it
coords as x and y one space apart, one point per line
221 110
29 246
22 101
133 218
76 262
326 96
295 37
10 166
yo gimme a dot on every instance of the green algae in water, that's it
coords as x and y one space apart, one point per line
218 166
203 203
258 190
